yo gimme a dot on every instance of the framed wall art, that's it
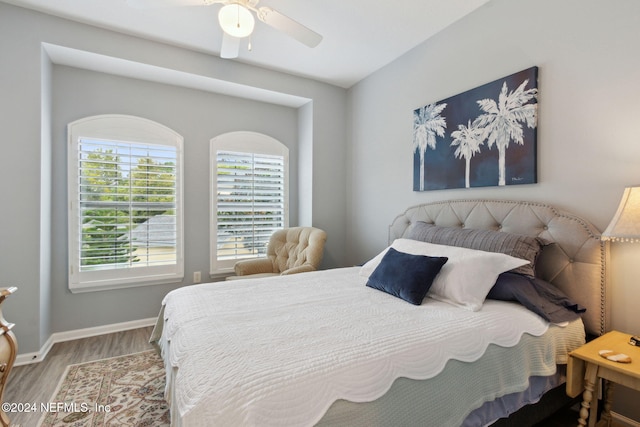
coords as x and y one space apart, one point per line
483 137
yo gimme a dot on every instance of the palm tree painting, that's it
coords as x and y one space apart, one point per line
492 141
503 120
468 140
427 124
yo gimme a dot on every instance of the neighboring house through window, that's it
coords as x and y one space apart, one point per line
125 203
250 196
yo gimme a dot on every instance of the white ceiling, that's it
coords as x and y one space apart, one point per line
360 36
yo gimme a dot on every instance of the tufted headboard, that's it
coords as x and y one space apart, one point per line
574 259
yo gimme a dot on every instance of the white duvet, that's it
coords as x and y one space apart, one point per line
275 352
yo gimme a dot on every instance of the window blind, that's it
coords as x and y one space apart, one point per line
250 202
127 202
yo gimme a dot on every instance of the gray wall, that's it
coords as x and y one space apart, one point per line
588 146
39 97
196 115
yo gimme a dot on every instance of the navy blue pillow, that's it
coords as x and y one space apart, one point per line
406 276
539 296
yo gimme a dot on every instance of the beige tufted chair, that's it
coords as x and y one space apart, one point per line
290 250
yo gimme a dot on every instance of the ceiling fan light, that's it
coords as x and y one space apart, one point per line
236 20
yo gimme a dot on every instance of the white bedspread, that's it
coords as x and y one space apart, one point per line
274 352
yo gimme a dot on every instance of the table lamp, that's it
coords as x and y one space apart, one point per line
625 225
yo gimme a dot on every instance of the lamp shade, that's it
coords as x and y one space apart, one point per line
236 20
625 225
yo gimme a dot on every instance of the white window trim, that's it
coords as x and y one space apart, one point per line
247 142
116 127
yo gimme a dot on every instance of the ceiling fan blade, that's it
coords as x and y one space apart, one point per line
288 26
156 4
230 46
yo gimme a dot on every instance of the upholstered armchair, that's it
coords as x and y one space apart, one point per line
290 250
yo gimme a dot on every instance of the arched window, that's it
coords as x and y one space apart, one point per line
249 197
125 203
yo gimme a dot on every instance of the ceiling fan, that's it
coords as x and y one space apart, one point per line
237 22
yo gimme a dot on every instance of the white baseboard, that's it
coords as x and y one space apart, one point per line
621 420
26 358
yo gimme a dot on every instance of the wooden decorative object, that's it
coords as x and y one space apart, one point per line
8 351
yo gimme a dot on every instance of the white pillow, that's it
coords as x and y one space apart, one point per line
466 278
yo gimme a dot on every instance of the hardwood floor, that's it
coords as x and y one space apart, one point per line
35 383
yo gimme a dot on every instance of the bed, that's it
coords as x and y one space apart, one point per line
329 349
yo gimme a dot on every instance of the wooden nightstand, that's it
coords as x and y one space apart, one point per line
585 366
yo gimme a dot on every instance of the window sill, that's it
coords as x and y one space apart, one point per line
76 288
221 274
